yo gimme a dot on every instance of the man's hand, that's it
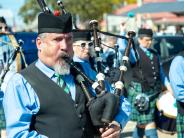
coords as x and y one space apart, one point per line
112 131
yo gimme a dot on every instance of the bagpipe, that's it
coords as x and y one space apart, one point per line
104 105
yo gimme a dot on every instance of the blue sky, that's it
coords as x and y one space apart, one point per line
13 6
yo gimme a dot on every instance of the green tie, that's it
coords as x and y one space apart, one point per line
149 54
62 84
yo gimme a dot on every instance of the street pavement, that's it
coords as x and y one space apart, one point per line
127 132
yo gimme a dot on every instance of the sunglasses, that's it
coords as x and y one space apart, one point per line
85 44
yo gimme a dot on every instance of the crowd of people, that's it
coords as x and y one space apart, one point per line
47 98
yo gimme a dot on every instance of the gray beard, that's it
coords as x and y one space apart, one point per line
62 68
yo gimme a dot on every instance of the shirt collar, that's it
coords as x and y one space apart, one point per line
77 59
49 71
143 48
45 69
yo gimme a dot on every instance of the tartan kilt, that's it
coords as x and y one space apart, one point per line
180 125
149 115
2 117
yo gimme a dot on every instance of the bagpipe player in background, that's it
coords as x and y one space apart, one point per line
145 86
83 51
176 74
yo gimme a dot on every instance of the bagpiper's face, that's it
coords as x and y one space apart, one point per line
54 47
82 49
145 41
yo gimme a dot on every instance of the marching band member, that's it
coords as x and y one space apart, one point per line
83 46
5 48
176 73
147 77
5 52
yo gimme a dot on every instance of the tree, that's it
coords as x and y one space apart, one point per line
86 9
29 10
131 1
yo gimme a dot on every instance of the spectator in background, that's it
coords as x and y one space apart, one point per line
161 30
108 52
3 25
122 43
179 30
130 24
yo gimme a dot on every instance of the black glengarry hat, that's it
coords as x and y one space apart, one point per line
145 32
81 35
49 23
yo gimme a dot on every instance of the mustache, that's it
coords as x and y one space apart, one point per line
66 57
